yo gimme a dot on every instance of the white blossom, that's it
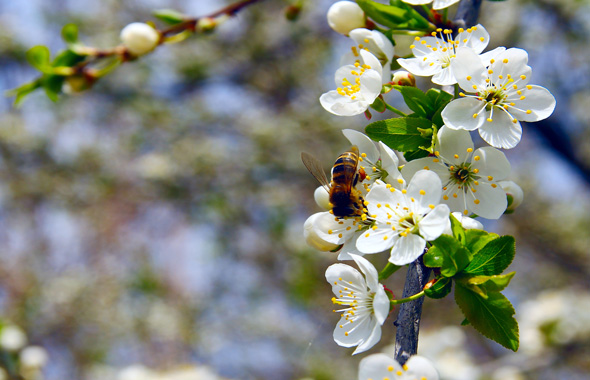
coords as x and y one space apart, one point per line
499 97
404 220
383 366
365 302
515 192
433 55
377 44
438 4
469 177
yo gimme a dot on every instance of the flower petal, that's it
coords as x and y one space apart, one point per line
502 131
376 241
390 163
491 162
373 338
455 199
419 367
512 61
419 66
458 114
407 249
489 56
426 163
349 334
488 202
468 69
433 224
445 77
426 188
454 145
340 105
363 142
338 273
538 100
332 229
441 4
381 305
476 38
377 367
371 275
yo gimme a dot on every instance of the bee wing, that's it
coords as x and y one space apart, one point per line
314 166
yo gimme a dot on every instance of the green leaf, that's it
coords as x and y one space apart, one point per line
417 101
169 16
415 154
439 100
454 256
67 58
487 284
400 133
21 92
494 257
458 230
52 84
492 317
38 56
400 16
465 322
379 105
440 289
475 240
70 33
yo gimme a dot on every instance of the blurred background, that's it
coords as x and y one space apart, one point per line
151 228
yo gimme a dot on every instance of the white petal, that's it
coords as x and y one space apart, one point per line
458 114
390 163
453 145
418 2
455 199
492 201
491 162
468 69
433 224
538 100
353 334
313 239
376 366
371 86
340 105
371 275
381 305
338 273
419 67
328 227
502 131
371 61
444 77
377 43
376 241
349 248
363 142
407 249
477 38
512 61
426 163
373 338
421 368
441 4
426 188
488 56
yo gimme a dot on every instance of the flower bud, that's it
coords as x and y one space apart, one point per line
403 78
33 357
344 16
206 24
322 198
514 193
139 38
311 237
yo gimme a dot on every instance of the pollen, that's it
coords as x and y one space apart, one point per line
367 235
330 231
490 178
476 158
494 185
469 150
456 156
489 119
412 46
505 60
475 116
454 195
390 368
462 94
476 201
523 77
431 206
446 197
374 228
435 160
426 168
468 77
529 87
422 192
346 333
384 237
340 236
404 191
363 155
528 112
400 181
475 171
474 87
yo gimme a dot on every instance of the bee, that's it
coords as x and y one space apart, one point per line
345 199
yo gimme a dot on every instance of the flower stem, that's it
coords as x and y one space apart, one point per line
408 299
395 110
388 271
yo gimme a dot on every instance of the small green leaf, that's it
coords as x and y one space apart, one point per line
169 16
492 317
67 58
52 84
454 256
415 154
475 240
70 33
494 257
487 284
21 92
458 230
400 133
400 16
416 100
38 56
379 105
440 289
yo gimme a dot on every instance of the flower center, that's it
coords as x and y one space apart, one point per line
350 89
462 174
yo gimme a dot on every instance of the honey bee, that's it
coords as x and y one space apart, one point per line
345 199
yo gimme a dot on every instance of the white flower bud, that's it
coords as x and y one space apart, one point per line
139 38
311 237
403 78
344 16
33 357
322 198
12 338
466 222
515 192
